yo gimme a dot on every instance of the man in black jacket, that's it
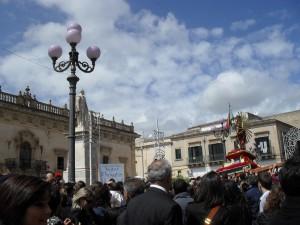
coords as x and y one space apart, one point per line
155 207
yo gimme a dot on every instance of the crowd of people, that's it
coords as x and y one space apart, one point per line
215 199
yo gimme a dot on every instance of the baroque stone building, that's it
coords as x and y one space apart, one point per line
197 150
34 138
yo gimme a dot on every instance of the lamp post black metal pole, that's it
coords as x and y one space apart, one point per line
73 79
73 37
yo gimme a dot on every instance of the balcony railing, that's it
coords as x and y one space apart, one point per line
196 160
36 165
216 157
27 101
113 124
267 156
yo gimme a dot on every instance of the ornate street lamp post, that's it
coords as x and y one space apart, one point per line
222 134
73 37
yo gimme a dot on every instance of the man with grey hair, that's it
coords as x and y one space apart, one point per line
133 187
155 206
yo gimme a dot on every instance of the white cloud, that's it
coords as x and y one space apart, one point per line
217 32
245 52
203 33
154 67
200 32
242 24
274 47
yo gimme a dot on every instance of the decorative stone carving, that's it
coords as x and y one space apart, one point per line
26 99
28 136
290 140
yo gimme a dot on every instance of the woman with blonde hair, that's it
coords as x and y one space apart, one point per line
82 208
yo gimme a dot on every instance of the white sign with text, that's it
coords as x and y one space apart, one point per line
108 171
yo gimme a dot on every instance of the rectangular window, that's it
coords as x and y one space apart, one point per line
216 152
195 154
105 159
178 154
263 145
60 163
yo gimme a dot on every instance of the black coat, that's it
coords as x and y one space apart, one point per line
84 217
264 218
154 207
289 213
230 215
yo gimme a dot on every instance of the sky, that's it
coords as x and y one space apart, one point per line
178 62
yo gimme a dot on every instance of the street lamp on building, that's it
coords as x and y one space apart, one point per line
73 37
222 133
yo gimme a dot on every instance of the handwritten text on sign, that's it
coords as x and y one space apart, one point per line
108 171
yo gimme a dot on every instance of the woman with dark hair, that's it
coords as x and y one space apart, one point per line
102 203
24 200
238 211
208 195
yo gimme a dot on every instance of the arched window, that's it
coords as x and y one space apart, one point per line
25 156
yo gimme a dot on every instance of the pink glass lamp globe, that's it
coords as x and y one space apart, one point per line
93 52
55 51
75 26
73 36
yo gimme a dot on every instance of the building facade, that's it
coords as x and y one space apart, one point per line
34 138
197 150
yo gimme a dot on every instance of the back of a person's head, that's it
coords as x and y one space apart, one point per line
179 186
120 186
252 180
134 186
101 194
50 176
232 193
210 191
289 174
69 187
17 194
159 170
82 193
244 186
112 180
98 183
265 180
243 176
78 185
113 186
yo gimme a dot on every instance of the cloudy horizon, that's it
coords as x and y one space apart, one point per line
155 65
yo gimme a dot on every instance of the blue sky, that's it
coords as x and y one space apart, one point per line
181 62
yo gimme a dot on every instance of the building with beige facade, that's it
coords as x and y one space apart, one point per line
197 150
34 138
